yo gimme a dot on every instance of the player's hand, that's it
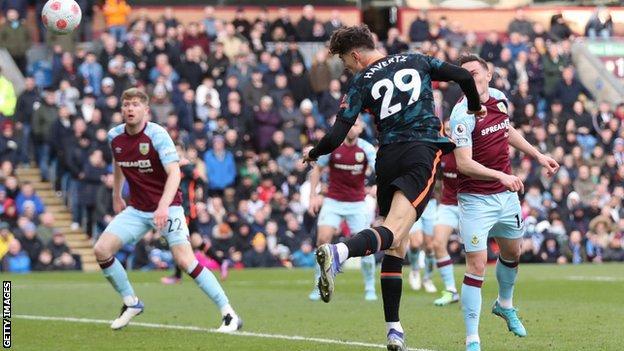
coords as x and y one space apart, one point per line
550 164
512 183
306 155
160 216
315 204
479 114
119 204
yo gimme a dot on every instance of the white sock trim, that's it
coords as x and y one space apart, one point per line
472 338
394 325
505 303
130 300
227 309
343 252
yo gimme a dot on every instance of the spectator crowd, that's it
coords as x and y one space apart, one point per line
240 114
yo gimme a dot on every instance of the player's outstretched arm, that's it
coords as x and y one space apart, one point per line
519 142
171 188
330 141
466 165
466 82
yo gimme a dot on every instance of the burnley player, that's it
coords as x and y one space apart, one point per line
397 91
146 157
421 236
488 199
345 199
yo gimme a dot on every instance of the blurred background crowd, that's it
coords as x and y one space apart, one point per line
241 101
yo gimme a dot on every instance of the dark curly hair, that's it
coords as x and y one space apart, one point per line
346 39
470 58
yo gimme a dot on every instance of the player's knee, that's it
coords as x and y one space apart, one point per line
102 250
185 261
439 246
477 267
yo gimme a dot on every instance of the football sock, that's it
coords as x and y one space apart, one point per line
178 272
391 286
394 325
429 263
506 273
445 267
209 284
412 255
368 271
369 241
116 275
471 303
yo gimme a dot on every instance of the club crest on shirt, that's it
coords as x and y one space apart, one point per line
143 148
117 150
359 156
475 240
502 107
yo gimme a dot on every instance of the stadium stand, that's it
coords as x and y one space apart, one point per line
242 92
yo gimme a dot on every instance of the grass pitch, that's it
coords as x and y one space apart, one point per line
563 308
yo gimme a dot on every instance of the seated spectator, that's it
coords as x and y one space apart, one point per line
575 250
27 194
5 239
600 24
61 255
220 166
330 100
550 252
394 44
258 255
44 261
559 29
419 29
304 257
31 244
16 260
9 148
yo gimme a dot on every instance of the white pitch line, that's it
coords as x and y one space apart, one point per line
194 328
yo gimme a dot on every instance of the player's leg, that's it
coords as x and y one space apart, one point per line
128 226
405 175
471 296
447 219
358 219
329 219
176 233
478 214
413 254
391 290
508 233
429 262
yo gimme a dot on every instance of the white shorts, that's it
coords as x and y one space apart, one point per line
426 221
482 216
448 215
130 225
355 213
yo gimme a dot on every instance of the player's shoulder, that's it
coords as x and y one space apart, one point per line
116 131
497 94
155 132
365 145
460 110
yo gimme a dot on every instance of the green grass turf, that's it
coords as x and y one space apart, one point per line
563 308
